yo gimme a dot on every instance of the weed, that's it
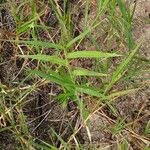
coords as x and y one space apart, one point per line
111 17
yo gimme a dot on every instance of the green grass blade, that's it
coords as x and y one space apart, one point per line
122 9
119 72
90 91
70 86
102 5
36 43
81 36
85 72
91 54
27 25
66 146
50 77
40 57
119 126
83 110
45 146
121 93
41 44
147 128
123 145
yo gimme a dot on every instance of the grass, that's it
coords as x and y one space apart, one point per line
114 21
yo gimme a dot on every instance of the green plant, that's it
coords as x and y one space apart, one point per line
110 19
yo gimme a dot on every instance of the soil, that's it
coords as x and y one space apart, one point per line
45 114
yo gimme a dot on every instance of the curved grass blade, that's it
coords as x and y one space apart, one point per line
91 54
40 57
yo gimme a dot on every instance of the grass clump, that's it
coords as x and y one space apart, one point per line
53 54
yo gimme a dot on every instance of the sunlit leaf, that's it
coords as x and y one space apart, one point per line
91 54
85 72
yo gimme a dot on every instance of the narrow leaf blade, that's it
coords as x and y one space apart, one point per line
85 72
41 57
91 54
42 44
90 91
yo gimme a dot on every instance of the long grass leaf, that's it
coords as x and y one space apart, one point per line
91 54
37 43
40 57
85 72
51 78
41 44
90 91
82 35
60 81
